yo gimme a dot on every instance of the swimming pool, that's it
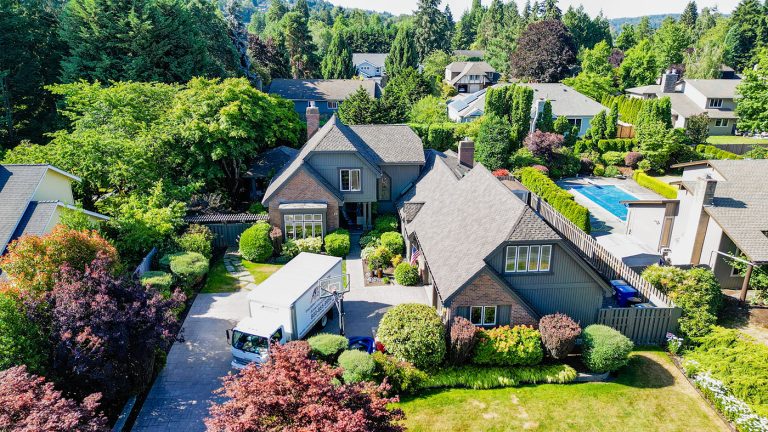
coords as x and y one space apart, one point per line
608 197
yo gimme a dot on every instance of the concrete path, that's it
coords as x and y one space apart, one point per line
181 395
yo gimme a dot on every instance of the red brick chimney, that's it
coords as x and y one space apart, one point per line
467 153
313 119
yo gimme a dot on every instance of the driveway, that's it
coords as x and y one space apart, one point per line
181 395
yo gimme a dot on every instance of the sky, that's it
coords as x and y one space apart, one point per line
611 8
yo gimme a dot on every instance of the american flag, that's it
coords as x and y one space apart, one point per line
415 254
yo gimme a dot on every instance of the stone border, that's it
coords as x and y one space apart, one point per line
585 377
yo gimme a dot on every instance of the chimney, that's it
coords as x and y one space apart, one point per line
467 153
313 119
710 186
669 81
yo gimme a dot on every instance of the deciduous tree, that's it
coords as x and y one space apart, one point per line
545 52
639 66
753 100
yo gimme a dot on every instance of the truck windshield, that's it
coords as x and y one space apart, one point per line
249 343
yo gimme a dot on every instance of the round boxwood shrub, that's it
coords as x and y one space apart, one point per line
358 366
337 243
558 334
605 349
414 333
159 280
406 274
394 242
189 267
255 244
328 346
385 223
509 346
599 170
198 238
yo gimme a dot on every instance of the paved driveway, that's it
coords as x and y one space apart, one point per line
181 395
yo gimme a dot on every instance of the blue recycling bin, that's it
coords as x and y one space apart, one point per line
623 292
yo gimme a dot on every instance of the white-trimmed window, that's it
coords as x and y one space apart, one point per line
349 180
524 259
482 315
715 103
299 226
333 105
721 122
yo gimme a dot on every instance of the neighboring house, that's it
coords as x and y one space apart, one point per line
369 65
690 97
326 95
265 166
340 174
32 199
488 256
470 77
721 208
576 107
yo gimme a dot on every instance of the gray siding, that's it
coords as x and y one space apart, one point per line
402 176
567 288
328 165
722 269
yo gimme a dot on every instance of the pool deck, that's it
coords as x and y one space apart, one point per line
609 230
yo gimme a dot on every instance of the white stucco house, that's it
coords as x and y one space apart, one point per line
579 109
690 97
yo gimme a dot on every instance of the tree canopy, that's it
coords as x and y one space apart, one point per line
545 52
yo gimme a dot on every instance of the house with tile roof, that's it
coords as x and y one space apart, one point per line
325 94
32 200
340 175
689 97
487 255
470 77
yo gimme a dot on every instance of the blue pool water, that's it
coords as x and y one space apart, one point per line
608 197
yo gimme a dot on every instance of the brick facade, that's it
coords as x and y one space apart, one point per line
302 187
484 290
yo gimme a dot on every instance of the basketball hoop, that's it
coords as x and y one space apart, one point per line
336 287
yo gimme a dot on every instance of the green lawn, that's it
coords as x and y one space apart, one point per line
260 271
219 280
735 140
649 395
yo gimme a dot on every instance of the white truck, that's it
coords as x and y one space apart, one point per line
286 306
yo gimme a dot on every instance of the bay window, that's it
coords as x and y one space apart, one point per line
526 259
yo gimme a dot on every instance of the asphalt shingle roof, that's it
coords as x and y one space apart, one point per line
469 68
464 219
17 187
36 218
271 161
375 59
321 89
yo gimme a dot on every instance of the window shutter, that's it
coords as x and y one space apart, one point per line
503 313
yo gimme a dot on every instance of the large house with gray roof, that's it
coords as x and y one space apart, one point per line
370 65
32 200
470 77
325 94
690 97
579 109
487 255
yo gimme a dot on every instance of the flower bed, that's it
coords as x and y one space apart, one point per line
734 409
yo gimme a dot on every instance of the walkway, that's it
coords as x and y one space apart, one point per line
233 265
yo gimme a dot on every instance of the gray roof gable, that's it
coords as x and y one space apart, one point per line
321 89
18 184
374 59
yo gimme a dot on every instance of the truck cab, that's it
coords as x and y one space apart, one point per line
251 340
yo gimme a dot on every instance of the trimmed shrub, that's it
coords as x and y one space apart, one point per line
379 258
371 238
664 278
558 198
358 366
310 244
327 347
198 238
613 158
189 267
599 170
656 185
621 145
290 250
508 346
414 333
255 244
712 152
632 159
385 223
558 334
482 378
406 274
612 171
396 260
463 338
337 243
394 242
159 280
605 349
402 376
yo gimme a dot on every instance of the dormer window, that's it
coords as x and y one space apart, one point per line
526 259
349 180
715 103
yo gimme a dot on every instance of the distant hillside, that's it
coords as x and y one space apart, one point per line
656 20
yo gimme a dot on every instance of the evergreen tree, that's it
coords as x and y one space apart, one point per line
402 92
277 9
360 108
430 29
690 15
239 37
493 142
586 31
644 30
403 54
465 33
627 38
551 11
526 15
748 32
544 121
337 62
612 122
598 126
492 23
269 56
298 42
449 24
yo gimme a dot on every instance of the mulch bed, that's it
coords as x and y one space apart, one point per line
369 280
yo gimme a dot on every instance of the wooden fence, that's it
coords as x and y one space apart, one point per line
646 326
146 263
738 149
227 234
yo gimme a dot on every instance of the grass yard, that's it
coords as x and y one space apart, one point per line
649 395
726 139
219 280
260 271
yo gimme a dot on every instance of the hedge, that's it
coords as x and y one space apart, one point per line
255 244
508 346
189 267
358 366
558 198
414 333
604 349
712 152
621 145
443 136
481 378
654 184
328 346
337 243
